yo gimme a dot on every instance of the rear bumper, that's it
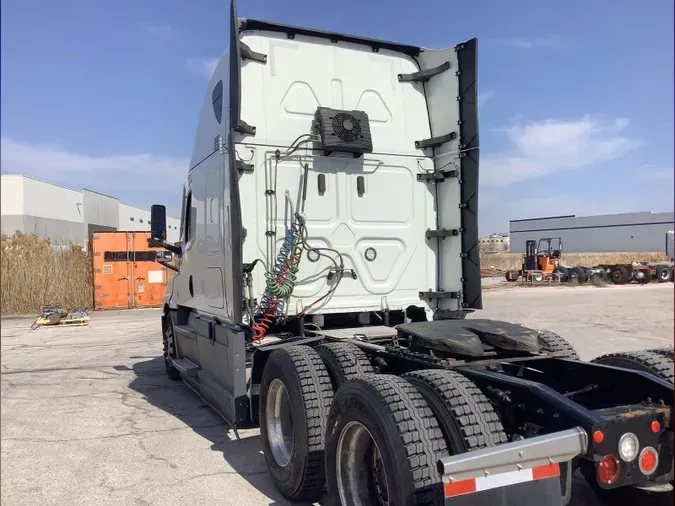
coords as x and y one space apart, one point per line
522 472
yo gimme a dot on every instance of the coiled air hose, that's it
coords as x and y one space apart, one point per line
280 282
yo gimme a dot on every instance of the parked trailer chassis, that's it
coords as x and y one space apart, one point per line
640 272
554 409
618 274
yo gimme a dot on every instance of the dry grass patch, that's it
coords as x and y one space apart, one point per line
508 261
34 274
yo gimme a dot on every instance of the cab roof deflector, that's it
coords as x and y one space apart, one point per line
292 31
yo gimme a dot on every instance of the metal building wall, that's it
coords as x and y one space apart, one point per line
11 204
629 232
136 219
35 207
68 216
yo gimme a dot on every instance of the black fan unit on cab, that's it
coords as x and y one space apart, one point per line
343 131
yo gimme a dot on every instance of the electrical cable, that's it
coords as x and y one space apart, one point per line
280 278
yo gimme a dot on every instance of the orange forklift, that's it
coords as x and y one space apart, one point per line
542 261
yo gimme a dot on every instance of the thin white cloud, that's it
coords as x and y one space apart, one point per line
485 96
157 30
550 42
541 148
141 178
203 67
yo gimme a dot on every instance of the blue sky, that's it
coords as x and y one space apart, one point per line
576 113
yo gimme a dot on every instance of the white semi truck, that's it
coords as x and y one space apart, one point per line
327 262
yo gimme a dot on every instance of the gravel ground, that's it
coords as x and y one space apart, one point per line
89 417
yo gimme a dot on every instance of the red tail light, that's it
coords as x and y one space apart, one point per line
649 460
608 469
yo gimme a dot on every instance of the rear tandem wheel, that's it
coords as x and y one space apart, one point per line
382 444
466 417
295 397
656 364
552 342
344 361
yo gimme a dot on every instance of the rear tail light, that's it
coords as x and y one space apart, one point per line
649 460
655 426
598 436
608 469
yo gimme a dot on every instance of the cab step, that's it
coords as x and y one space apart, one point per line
186 366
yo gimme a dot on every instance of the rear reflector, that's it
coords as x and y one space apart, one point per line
608 469
501 480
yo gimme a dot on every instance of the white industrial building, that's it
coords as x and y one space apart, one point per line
494 243
68 216
629 232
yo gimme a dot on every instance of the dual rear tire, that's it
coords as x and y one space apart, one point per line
326 418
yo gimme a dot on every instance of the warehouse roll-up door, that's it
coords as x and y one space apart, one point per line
126 274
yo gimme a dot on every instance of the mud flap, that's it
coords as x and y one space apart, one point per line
542 492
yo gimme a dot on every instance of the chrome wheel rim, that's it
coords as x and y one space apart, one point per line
279 422
361 477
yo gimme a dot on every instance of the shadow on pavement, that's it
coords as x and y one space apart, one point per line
244 456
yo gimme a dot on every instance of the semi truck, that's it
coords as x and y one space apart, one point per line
327 280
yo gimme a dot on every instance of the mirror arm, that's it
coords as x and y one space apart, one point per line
154 243
169 266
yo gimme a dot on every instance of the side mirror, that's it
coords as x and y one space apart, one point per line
158 225
164 257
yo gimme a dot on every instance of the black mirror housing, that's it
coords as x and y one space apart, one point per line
158 222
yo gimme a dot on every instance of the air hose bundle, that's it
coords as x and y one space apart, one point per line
281 277
280 282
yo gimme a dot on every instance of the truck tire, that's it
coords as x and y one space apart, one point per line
642 277
295 397
672 273
466 417
577 274
552 342
665 352
512 276
619 275
564 273
652 363
383 440
344 361
169 345
663 273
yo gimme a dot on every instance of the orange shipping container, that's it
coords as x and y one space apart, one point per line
126 274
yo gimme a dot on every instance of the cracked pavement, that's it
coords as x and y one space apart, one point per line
89 416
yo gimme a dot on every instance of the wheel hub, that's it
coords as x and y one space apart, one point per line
361 476
279 422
